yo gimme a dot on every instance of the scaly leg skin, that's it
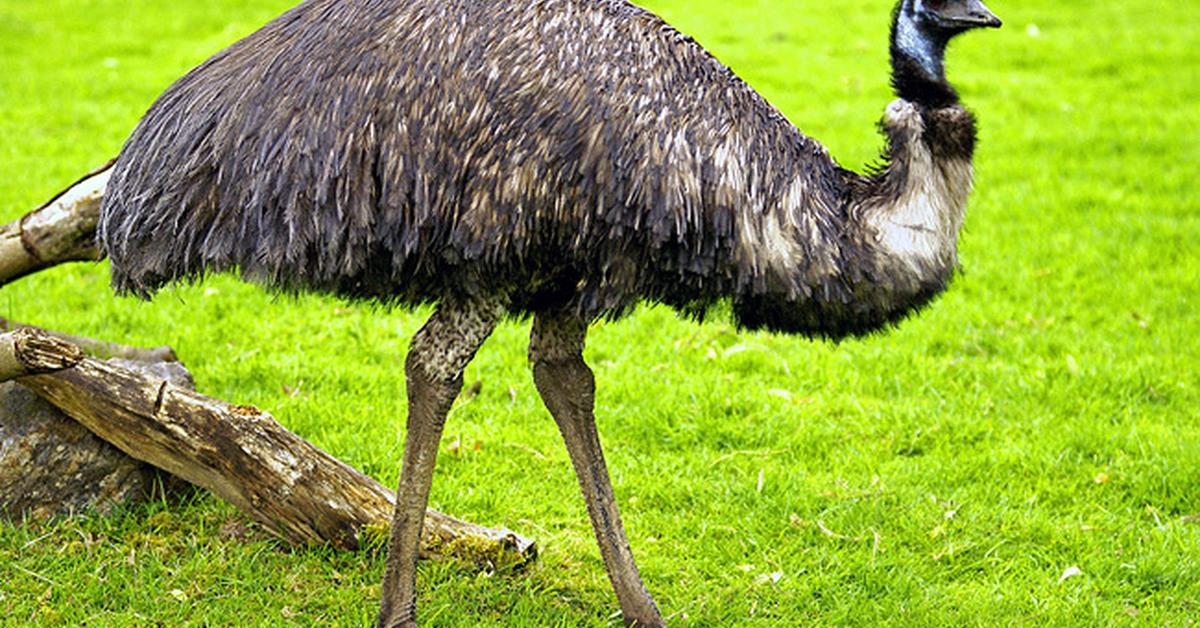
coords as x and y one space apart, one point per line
568 389
433 370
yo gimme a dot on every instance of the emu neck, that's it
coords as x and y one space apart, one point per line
918 63
917 205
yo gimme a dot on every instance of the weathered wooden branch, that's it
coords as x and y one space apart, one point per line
32 351
62 230
99 348
247 458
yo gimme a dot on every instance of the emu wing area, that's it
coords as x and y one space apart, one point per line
568 152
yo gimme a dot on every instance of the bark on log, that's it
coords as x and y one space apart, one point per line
62 230
244 456
99 348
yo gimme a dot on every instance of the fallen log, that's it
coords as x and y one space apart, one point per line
62 230
243 455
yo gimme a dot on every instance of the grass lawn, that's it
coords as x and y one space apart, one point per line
1044 415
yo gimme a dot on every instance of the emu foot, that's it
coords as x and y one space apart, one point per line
653 620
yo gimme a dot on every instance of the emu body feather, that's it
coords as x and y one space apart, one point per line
577 154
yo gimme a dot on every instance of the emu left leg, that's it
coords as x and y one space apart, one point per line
439 353
568 388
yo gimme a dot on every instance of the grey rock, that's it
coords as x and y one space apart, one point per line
50 465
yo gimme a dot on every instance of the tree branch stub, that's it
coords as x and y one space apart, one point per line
62 230
29 351
100 348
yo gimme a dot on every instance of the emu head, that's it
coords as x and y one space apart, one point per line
950 17
922 28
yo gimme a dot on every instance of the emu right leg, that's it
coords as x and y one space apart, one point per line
433 371
568 389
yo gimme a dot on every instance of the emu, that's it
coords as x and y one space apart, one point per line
562 160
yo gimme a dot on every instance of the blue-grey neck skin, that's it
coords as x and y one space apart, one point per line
923 47
918 49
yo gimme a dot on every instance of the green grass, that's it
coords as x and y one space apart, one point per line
1043 415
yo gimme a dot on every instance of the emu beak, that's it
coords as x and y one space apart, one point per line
975 14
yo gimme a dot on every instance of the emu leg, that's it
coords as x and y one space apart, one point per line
568 389
433 371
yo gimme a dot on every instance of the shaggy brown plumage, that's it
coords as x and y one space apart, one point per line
577 153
